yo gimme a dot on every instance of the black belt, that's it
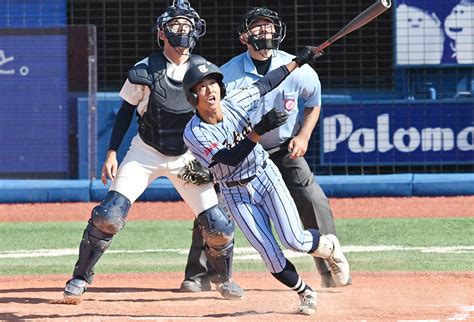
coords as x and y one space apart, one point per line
281 147
243 182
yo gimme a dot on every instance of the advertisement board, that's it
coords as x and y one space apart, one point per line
34 125
397 133
437 33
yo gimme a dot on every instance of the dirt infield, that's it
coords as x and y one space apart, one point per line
372 297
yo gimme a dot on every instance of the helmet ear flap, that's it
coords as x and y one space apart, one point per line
192 99
223 89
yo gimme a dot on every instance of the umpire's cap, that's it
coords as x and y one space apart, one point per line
196 74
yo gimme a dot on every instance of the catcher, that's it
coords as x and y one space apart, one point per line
154 91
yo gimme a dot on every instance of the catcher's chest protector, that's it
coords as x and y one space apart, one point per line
168 111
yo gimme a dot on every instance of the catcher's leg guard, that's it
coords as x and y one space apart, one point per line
330 249
218 233
106 220
94 244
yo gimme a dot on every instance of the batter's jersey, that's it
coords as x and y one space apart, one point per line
205 140
301 88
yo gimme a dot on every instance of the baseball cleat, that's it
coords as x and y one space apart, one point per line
327 281
308 302
230 290
75 287
329 248
195 286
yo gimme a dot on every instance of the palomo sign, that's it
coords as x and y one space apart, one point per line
402 133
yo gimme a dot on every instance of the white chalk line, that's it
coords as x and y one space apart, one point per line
464 314
243 253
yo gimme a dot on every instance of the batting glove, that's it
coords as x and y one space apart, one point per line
270 121
307 55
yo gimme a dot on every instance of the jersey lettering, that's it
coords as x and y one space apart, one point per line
238 137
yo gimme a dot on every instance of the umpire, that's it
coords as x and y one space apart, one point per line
262 31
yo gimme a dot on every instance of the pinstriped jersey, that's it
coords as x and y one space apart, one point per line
204 140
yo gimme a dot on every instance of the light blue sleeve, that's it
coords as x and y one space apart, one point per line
309 87
246 98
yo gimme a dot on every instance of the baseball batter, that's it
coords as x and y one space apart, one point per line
299 95
223 138
154 90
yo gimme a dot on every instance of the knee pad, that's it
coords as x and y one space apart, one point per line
109 216
217 227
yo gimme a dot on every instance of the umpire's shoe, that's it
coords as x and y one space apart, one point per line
230 290
195 286
75 287
330 249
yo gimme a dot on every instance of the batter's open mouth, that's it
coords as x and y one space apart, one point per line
455 29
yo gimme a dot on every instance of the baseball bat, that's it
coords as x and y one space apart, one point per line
360 20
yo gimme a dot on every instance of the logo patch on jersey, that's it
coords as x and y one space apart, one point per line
289 103
203 68
209 149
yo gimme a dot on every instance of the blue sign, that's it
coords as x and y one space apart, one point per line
434 32
33 14
34 124
397 133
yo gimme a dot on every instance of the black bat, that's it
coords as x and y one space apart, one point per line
362 18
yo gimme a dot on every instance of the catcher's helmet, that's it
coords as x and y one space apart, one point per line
196 74
181 9
262 43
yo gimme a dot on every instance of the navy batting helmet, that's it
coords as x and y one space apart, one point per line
181 9
263 43
196 74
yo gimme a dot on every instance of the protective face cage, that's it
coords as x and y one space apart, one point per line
263 43
181 9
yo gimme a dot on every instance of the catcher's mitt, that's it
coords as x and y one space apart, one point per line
195 173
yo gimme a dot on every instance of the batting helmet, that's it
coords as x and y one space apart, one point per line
196 74
181 9
262 43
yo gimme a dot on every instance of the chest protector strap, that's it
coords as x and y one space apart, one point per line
168 111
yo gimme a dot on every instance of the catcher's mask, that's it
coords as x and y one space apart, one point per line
179 35
196 74
257 41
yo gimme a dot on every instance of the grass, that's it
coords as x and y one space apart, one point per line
176 235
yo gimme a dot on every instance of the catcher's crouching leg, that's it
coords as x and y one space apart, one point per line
218 233
106 220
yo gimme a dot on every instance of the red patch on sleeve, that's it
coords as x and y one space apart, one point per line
209 149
